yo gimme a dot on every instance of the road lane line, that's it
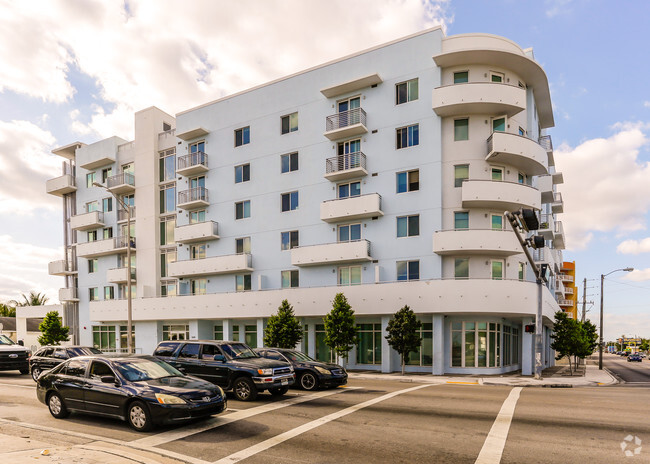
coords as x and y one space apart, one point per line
266 444
496 439
191 429
19 386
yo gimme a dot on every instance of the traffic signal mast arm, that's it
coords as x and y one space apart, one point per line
517 226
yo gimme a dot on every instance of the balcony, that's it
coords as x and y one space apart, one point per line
517 151
331 253
192 133
198 232
192 164
229 264
558 239
121 184
87 221
499 195
547 143
562 302
109 246
546 226
68 295
544 256
122 216
347 209
346 124
568 290
565 277
476 242
479 98
348 166
193 198
59 268
119 275
545 185
558 205
60 186
559 287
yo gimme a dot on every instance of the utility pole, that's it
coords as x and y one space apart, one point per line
584 299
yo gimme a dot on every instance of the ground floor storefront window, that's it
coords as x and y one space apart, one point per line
369 347
104 337
424 355
176 332
475 344
250 335
323 352
123 336
218 332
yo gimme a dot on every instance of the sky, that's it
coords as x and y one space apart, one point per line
78 70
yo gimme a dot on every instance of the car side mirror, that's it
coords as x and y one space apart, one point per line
219 358
21 342
108 379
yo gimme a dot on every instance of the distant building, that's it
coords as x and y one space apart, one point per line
383 175
567 291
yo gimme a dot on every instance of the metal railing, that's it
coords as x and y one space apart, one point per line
122 216
123 241
568 290
557 197
336 243
546 221
195 194
345 162
563 302
120 179
345 119
546 142
193 159
559 228
356 196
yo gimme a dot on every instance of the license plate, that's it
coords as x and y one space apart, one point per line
285 382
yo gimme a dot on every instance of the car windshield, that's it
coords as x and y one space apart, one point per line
136 370
83 351
297 356
4 340
238 351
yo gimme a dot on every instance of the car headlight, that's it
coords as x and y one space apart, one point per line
265 371
169 399
323 371
221 392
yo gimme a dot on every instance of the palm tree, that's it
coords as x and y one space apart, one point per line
33 299
7 311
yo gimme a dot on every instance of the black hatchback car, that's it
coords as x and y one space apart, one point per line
310 374
142 390
49 357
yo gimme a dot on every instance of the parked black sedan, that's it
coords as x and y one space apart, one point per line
142 390
51 356
634 357
310 374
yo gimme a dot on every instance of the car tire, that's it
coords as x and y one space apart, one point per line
56 406
138 417
308 381
279 391
244 389
24 371
35 373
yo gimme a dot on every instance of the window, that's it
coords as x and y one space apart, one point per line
243 245
350 275
167 165
166 127
497 269
175 332
461 77
424 354
476 344
348 112
406 91
242 173
92 265
243 209
349 232
129 200
497 174
218 332
128 168
107 205
521 178
123 291
290 279
289 162
104 337
408 226
197 216
90 178
289 201
169 288
461 268
242 136
408 136
461 129
496 76
167 225
289 123
522 132
197 251
408 181
499 124
369 347
350 189
93 294
497 222
92 206
408 270
197 147
166 257
522 271
323 352
243 282
250 335
235 333
461 173
197 184
461 220
347 148
107 232
288 240
167 198
106 173
198 286
92 236
109 293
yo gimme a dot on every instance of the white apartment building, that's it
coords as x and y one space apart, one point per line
383 175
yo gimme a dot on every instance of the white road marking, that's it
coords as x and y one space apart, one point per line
496 439
18 386
191 429
263 446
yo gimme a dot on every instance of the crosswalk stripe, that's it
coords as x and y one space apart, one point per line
496 440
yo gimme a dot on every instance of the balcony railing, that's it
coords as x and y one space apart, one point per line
563 302
345 162
345 119
122 216
123 241
125 178
546 142
193 159
193 195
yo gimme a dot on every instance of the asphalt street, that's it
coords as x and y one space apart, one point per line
630 373
376 421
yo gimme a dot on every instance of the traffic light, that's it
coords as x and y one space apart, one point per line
529 219
536 241
530 328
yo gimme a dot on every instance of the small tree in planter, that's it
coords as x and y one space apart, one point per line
340 329
403 334
283 329
52 331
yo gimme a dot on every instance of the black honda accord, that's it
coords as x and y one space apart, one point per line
142 390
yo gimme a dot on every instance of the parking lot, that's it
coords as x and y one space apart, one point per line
367 421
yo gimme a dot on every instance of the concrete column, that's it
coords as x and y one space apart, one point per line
205 329
260 332
438 325
311 345
527 348
227 329
387 353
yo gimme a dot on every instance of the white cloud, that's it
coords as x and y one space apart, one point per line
154 55
25 165
557 7
646 104
23 268
637 275
634 247
606 187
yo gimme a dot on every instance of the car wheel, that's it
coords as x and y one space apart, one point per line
35 373
24 371
279 391
308 381
244 389
138 417
57 406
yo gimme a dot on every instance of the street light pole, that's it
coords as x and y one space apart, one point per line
129 300
602 281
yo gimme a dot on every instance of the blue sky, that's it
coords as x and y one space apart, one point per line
79 70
